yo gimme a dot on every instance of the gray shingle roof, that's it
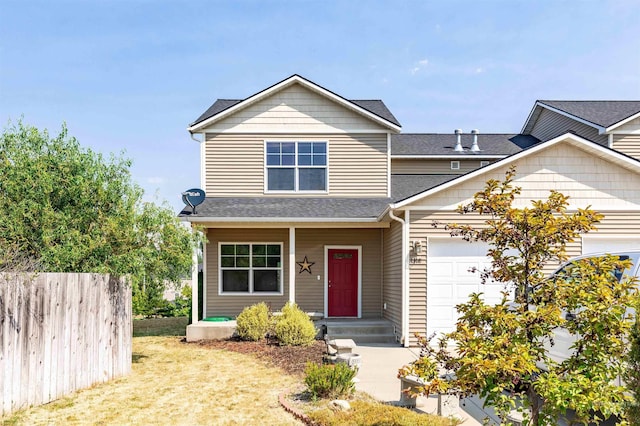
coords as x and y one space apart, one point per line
405 186
289 207
600 113
376 107
402 187
443 144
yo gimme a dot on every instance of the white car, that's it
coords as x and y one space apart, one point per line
561 349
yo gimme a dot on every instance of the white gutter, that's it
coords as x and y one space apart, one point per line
405 291
280 219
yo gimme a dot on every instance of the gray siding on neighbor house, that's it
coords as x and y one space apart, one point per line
550 124
392 275
430 167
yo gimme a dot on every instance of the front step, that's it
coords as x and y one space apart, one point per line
361 331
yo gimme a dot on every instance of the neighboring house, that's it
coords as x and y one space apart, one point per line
321 200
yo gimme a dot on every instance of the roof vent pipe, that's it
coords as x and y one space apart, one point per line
475 147
458 147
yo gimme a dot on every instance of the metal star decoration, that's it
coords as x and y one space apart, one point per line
305 265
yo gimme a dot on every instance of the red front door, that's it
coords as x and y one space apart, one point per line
343 283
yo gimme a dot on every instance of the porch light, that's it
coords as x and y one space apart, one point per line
416 247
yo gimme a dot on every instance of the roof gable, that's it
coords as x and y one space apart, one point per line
602 115
557 164
373 110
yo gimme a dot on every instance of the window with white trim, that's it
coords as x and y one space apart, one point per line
455 165
296 166
250 268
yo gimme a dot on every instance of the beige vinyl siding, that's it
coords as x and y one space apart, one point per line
234 164
392 275
311 243
627 144
233 305
431 167
550 124
295 109
586 178
623 224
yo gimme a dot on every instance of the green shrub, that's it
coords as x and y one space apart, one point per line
254 322
329 381
294 327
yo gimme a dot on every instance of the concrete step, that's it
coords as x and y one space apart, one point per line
361 331
366 338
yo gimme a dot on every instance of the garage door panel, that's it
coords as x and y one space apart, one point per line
610 244
441 269
450 280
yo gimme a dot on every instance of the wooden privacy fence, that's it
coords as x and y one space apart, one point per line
59 333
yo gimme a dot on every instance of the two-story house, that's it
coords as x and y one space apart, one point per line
321 200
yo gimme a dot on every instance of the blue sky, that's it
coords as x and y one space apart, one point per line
131 75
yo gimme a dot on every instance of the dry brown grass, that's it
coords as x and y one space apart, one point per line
175 383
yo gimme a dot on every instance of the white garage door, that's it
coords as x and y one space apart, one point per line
609 244
449 280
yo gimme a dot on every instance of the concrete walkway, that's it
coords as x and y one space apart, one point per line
378 377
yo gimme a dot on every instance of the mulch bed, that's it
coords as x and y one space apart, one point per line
291 359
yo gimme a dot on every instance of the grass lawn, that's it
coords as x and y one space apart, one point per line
173 383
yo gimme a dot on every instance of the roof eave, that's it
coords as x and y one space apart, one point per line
622 122
195 128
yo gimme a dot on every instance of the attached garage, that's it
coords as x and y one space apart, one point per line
609 244
450 278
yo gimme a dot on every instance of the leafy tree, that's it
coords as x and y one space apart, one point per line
69 209
500 350
632 376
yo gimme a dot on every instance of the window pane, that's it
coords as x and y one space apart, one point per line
281 179
273 160
259 261
304 147
288 160
319 147
242 262
320 160
228 249
235 280
273 148
273 249
242 249
304 160
312 179
259 249
288 147
227 261
273 262
266 281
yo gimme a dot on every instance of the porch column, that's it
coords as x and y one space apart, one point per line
292 263
194 283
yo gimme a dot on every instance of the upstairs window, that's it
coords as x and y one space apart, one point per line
296 166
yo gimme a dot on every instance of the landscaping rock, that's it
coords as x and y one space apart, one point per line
339 405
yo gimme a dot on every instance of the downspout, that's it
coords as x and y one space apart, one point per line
405 292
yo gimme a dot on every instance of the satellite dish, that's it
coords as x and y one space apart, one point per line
193 197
